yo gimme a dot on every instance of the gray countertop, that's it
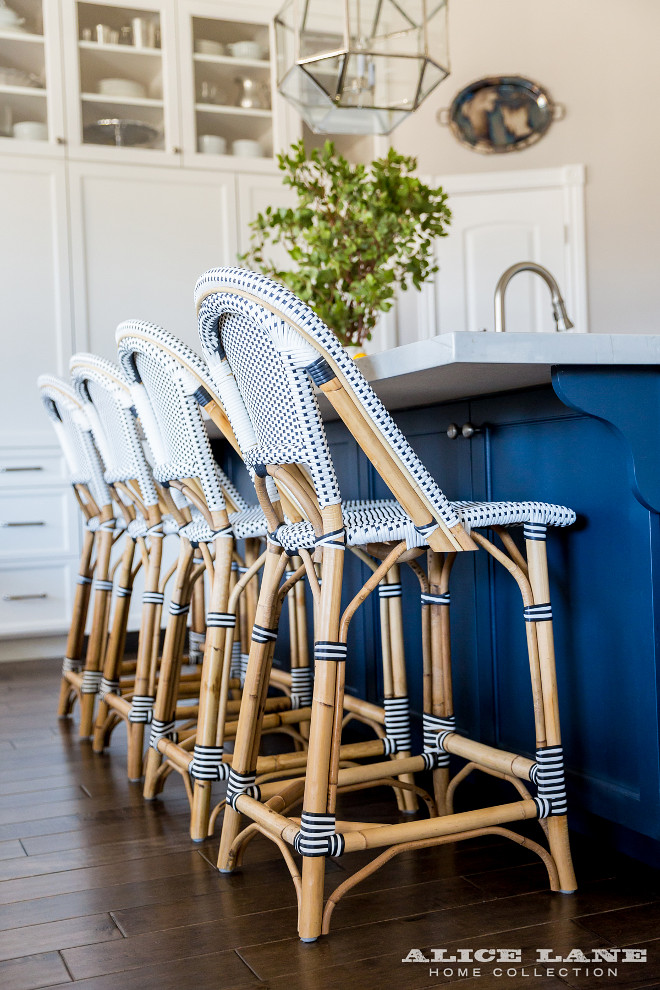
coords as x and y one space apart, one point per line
461 365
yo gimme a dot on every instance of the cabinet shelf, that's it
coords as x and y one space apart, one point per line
247 63
22 36
129 101
95 46
233 111
23 91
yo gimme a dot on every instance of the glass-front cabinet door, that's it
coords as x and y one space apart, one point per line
122 100
31 95
229 105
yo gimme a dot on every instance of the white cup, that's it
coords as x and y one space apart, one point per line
211 144
30 130
245 148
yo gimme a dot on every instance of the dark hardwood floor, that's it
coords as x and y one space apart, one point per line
103 890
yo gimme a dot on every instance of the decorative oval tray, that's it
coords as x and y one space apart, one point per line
500 114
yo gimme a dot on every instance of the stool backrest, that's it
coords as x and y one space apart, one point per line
107 401
75 437
277 349
167 382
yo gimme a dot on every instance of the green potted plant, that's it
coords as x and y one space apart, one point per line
357 234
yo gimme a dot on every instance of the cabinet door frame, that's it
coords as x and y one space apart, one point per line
171 116
78 172
15 437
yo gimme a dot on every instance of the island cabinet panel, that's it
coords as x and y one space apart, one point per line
530 446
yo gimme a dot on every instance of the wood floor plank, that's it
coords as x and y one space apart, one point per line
627 925
33 972
184 862
153 823
441 927
11 850
91 930
216 971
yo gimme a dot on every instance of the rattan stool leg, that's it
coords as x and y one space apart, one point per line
209 694
557 824
170 670
149 629
99 630
116 643
74 643
248 732
327 711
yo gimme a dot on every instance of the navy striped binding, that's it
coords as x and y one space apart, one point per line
317 835
389 590
70 666
207 764
108 687
330 651
123 592
301 687
535 531
429 599
436 729
83 579
91 681
538 613
141 710
397 724
428 528
241 783
262 635
177 608
103 585
221 620
161 730
153 598
548 775
335 540
155 531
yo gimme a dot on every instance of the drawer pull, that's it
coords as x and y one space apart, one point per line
9 525
22 598
7 470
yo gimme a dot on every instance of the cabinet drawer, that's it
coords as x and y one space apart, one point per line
37 523
36 599
36 468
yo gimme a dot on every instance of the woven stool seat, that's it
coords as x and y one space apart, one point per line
246 524
385 520
94 524
140 527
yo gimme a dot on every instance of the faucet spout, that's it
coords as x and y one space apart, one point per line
562 319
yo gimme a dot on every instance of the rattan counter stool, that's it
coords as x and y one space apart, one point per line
168 382
156 514
73 430
259 336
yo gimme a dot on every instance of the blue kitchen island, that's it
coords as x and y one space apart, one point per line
563 418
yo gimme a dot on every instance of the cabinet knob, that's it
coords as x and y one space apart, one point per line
176 151
468 430
60 140
453 431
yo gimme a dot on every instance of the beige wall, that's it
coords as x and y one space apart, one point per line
600 59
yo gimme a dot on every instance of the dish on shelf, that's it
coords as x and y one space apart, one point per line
247 148
211 144
30 130
204 46
245 49
121 133
121 87
17 77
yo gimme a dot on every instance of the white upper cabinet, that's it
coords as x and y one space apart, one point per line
229 102
121 81
31 91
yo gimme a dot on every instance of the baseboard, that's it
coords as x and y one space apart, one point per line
32 648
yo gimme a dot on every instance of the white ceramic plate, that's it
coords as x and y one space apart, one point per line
121 87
